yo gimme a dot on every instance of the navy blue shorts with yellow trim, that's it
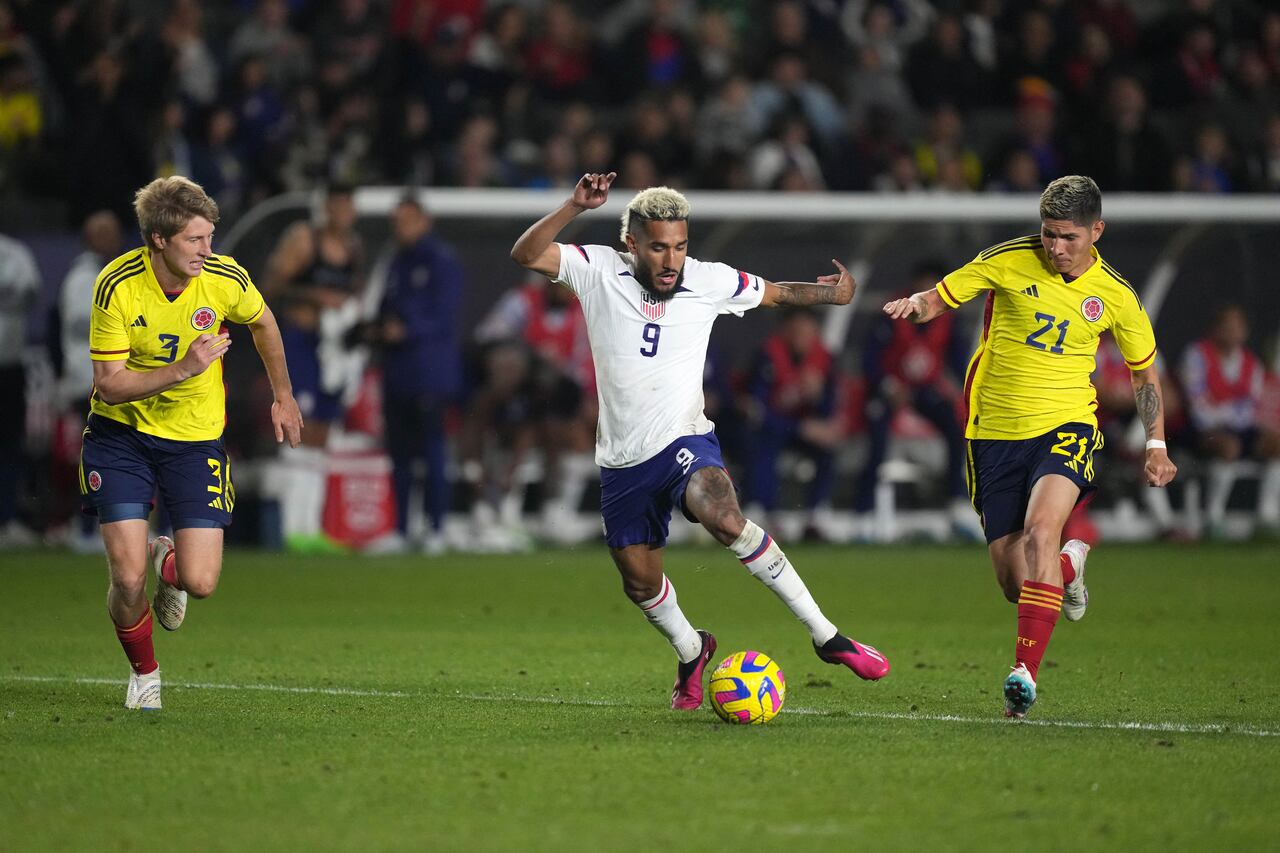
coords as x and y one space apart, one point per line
121 470
1002 473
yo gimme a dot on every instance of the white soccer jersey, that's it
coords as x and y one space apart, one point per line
649 355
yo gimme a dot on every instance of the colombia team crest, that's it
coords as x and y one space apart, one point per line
1091 308
653 307
95 480
203 319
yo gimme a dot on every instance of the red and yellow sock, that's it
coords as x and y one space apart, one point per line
137 645
1038 608
1068 570
169 569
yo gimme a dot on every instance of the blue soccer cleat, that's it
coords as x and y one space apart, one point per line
1019 692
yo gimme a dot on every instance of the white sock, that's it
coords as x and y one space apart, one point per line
1222 476
304 490
664 613
765 560
1269 493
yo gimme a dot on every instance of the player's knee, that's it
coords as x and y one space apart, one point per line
725 525
130 587
202 587
639 591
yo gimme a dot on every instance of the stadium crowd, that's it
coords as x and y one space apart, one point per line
251 99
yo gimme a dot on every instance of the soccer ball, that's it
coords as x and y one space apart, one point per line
747 687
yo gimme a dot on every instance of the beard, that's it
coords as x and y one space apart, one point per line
646 279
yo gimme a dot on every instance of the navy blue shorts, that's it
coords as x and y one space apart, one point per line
121 469
1002 473
301 353
636 502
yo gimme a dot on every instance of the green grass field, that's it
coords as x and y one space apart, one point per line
520 703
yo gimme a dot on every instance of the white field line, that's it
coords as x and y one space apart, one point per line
1162 728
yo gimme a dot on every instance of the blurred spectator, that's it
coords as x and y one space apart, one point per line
873 85
261 125
314 277
108 130
788 88
943 69
1210 168
793 387
717 53
19 290
917 368
474 160
1033 55
944 143
497 52
794 26
560 392
1192 74
1264 165
419 333
267 36
1224 383
559 59
353 33
103 237
215 162
726 122
406 147
173 152
193 62
1035 132
784 160
888 28
1117 413
656 52
21 119
1125 152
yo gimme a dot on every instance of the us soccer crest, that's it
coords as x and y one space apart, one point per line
653 307
203 318
1091 308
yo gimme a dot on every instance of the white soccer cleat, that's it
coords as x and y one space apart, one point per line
144 692
170 603
1075 595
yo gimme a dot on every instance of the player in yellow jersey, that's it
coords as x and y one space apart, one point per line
1030 426
157 337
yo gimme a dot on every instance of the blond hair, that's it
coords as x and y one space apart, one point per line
654 204
1072 198
166 205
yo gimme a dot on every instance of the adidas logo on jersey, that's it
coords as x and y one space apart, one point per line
1031 291
141 321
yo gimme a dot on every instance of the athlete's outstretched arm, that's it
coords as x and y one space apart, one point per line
536 249
833 289
114 383
1159 469
918 307
285 416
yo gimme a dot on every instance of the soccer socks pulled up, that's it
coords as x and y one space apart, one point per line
664 613
1068 570
766 562
169 570
137 645
1038 608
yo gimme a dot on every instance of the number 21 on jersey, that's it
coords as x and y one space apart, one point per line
1049 322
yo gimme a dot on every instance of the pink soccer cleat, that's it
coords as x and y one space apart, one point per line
687 694
866 662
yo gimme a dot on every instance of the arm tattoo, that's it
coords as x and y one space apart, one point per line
1148 407
804 293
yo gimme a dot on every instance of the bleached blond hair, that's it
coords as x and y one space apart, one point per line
656 204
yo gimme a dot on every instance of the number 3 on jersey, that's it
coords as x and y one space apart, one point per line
1033 339
170 343
651 333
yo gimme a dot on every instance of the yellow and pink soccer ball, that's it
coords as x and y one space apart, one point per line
747 688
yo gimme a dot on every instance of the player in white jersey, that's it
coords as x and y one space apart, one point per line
649 314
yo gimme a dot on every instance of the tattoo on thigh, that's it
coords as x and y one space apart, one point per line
710 488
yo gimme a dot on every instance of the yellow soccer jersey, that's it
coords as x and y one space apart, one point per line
1031 370
134 320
